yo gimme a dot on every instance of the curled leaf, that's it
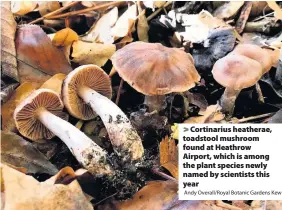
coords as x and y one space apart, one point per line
169 156
8 50
20 153
64 37
101 32
8 108
26 193
22 7
125 22
92 53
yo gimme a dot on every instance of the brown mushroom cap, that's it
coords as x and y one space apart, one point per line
237 71
255 52
154 69
26 113
91 76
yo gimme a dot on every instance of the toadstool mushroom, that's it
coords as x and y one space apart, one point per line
40 116
256 53
235 72
155 70
86 92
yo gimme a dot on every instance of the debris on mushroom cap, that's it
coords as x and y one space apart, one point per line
154 69
25 114
90 76
237 71
255 52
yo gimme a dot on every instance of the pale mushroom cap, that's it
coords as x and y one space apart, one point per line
91 76
255 52
237 71
154 69
26 113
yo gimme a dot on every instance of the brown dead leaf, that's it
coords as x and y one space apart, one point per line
64 37
142 25
22 7
8 50
46 7
101 32
55 83
210 115
125 22
20 153
228 9
169 156
26 193
275 7
8 108
92 53
38 57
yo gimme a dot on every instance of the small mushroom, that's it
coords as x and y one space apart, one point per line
155 70
86 92
41 116
235 72
255 52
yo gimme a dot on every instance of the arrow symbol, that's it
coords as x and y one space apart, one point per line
186 129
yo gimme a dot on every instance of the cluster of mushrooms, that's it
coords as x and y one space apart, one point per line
151 69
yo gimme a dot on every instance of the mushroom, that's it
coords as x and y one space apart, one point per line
255 52
41 115
235 72
155 70
86 92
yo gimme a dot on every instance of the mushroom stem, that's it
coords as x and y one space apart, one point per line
156 102
88 153
124 138
227 100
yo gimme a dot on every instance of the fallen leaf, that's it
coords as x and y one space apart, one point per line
142 25
8 108
125 22
273 205
210 115
169 156
244 16
275 7
20 153
38 58
64 37
26 193
101 32
92 53
22 7
47 7
55 83
228 9
258 8
8 50
157 195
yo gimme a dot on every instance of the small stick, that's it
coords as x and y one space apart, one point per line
158 172
259 92
78 12
119 90
55 12
158 11
255 117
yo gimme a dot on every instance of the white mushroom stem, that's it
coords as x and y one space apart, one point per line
156 102
124 138
87 152
227 100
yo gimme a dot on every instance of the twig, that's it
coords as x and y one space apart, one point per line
259 18
259 92
156 171
55 12
78 12
119 90
105 198
255 117
158 11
